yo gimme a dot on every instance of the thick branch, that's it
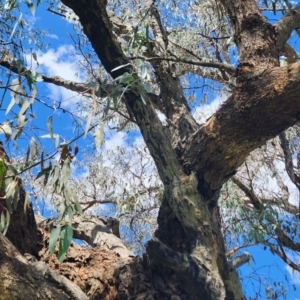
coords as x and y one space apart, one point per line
18 278
59 281
286 25
253 35
260 109
97 232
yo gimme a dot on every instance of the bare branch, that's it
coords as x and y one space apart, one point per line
251 195
217 65
286 25
281 236
240 260
255 201
236 249
286 241
283 256
59 81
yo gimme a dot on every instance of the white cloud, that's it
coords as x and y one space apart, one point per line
60 62
117 139
52 36
203 112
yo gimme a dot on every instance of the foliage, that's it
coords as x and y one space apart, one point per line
257 205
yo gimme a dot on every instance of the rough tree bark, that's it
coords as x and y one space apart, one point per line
186 259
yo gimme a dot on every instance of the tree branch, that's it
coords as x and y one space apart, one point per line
281 236
59 81
283 256
250 194
59 281
213 64
96 231
173 102
240 260
286 25
273 108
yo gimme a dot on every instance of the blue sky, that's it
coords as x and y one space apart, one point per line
60 59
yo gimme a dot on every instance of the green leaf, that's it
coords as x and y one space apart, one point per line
26 202
61 211
143 71
88 123
10 4
31 6
34 150
61 252
49 127
107 107
55 171
42 160
16 196
77 205
34 56
15 84
11 171
7 222
15 26
44 172
70 213
120 67
76 149
9 194
24 108
27 155
2 172
66 236
65 172
67 194
53 238
2 222
6 129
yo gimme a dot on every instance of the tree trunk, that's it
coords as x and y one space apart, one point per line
186 258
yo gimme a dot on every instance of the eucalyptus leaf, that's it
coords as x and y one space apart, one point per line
7 222
49 127
54 235
88 123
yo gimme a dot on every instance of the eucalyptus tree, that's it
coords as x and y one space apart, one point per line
149 52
